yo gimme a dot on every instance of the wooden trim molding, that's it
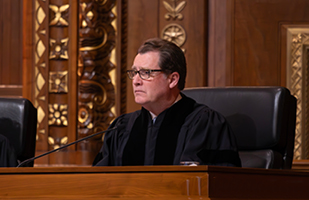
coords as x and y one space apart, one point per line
11 90
294 48
300 164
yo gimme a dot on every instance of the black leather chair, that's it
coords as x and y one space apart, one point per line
262 119
18 123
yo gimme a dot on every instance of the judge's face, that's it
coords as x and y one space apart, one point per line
151 91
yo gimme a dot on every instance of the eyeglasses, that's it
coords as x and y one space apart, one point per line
143 73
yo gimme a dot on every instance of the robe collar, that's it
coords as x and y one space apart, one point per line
171 121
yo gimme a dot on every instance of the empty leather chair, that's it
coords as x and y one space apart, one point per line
18 123
262 119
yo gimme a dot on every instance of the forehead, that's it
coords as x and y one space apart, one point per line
148 60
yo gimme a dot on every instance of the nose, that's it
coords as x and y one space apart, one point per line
137 80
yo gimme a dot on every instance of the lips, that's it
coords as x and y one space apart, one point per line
138 91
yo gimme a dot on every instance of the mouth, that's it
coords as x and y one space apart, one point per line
138 91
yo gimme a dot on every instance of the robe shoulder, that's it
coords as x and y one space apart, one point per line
205 136
208 139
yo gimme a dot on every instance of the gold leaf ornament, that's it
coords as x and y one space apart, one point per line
180 6
168 7
174 11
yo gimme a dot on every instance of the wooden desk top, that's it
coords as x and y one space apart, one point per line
150 169
152 182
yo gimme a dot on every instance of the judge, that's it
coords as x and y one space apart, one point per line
170 128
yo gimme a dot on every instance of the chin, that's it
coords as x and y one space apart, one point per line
140 101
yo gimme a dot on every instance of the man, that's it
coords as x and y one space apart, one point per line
170 128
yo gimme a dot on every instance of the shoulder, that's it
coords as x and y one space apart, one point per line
126 117
201 113
124 121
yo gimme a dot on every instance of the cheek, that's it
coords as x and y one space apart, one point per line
159 88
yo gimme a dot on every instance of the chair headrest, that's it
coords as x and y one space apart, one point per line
257 115
18 119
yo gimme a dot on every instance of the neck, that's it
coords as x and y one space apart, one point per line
156 110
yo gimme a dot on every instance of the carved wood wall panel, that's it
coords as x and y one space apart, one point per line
73 81
96 90
53 91
296 37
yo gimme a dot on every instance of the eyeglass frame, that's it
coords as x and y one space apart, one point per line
139 73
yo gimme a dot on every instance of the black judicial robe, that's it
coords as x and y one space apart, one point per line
187 131
7 153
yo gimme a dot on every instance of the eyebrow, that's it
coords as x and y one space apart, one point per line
135 68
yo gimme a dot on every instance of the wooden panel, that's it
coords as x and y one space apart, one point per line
258 184
164 182
257 38
72 79
152 182
142 24
28 49
301 165
244 40
220 46
11 90
11 45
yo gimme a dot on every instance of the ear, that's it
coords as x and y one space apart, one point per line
174 78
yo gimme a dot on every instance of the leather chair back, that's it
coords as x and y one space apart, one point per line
262 119
18 123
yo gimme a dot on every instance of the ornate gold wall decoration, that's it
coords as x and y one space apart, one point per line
88 13
174 33
174 9
59 15
58 82
96 94
83 114
297 82
101 2
57 85
58 115
41 72
58 72
56 143
61 85
59 48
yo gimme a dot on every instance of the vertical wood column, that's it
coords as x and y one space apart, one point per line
54 86
96 91
70 74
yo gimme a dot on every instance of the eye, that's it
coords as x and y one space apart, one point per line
145 71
